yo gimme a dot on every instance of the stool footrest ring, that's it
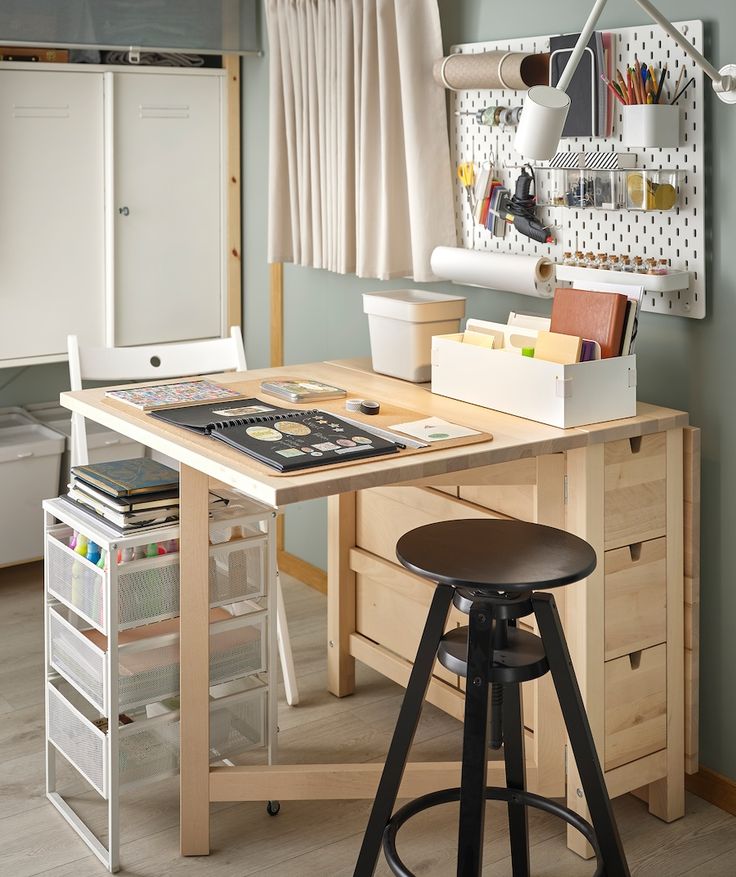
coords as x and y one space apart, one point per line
493 793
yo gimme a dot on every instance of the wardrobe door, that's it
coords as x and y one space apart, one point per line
167 207
51 212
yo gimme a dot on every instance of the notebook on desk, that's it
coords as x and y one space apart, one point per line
283 439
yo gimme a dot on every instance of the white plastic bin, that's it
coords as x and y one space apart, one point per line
401 324
103 444
30 457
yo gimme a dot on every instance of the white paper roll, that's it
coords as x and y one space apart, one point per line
529 275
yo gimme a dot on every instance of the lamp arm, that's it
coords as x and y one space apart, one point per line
683 43
577 52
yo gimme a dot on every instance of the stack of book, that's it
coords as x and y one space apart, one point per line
129 494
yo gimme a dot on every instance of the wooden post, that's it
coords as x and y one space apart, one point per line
194 662
667 796
341 523
231 63
584 611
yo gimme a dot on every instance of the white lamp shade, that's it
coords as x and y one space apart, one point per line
542 120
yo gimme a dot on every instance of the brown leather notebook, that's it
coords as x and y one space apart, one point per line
595 316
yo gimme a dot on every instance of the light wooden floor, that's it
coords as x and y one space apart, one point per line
307 839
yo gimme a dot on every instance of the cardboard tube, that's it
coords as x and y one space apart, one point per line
514 70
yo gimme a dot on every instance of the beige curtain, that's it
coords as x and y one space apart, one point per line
360 173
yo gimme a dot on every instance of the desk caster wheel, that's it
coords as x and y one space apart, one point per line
272 808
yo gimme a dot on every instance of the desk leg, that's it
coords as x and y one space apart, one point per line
584 608
194 661
341 522
667 796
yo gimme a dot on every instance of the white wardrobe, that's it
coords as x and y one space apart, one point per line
112 207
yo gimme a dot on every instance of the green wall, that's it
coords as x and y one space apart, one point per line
681 363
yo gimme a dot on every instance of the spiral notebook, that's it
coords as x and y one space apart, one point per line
282 438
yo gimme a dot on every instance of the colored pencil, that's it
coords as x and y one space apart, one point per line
613 88
662 76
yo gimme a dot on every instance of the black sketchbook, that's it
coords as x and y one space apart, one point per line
282 438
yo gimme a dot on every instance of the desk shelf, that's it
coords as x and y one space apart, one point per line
112 652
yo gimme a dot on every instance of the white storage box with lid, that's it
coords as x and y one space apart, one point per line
30 457
401 324
559 395
103 444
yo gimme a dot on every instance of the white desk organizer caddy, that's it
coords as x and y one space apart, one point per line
678 234
112 653
503 379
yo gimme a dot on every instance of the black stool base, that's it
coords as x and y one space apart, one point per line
493 793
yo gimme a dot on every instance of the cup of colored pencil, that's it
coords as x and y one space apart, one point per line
651 119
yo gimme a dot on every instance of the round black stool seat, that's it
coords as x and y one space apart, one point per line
523 657
496 555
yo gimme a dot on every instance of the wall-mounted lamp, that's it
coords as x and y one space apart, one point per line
546 107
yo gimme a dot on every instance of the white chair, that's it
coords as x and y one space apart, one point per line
165 361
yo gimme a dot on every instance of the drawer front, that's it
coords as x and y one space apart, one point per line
78 740
635 490
392 605
508 488
636 706
636 597
385 514
149 671
148 588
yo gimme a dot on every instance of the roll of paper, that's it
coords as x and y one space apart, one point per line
529 275
514 70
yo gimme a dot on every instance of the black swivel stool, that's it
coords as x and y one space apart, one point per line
490 569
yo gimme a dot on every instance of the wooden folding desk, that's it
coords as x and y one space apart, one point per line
584 484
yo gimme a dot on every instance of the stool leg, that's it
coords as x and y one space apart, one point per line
475 745
581 737
406 726
513 753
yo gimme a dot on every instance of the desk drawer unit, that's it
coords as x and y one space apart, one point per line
148 589
149 656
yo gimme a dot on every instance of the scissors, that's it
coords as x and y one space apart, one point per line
466 175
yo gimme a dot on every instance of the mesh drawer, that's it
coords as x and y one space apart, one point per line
237 724
149 589
77 739
149 671
237 651
149 753
72 655
238 571
73 579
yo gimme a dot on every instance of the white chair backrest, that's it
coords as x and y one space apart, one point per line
146 363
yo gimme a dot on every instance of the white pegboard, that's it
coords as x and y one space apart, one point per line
677 235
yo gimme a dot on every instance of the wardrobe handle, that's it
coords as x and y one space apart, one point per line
123 211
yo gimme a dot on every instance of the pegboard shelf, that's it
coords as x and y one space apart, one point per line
674 281
677 234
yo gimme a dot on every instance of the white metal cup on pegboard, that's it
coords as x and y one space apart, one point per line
651 125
